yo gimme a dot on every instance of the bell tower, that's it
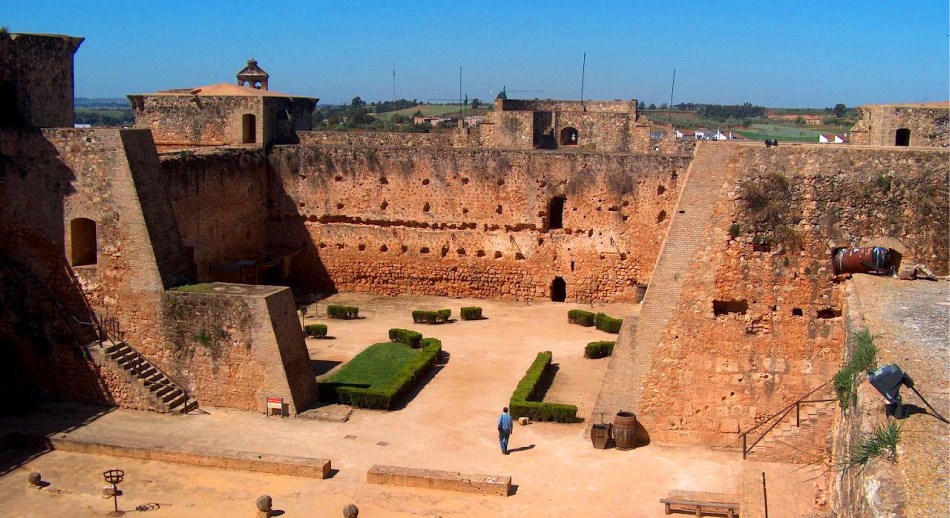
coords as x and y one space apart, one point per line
253 76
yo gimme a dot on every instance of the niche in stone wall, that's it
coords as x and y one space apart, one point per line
558 290
426 207
569 136
556 212
82 239
383 248
726 307
829 313
661 217
660 189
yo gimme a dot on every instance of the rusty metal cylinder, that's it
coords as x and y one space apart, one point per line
860 260
625 430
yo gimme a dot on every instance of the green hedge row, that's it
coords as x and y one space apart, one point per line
596 350
406 336
607 323
316 330
420 316
343 312
471 313
580 317
385 396
522 403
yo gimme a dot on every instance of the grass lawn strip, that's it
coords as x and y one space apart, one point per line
376 365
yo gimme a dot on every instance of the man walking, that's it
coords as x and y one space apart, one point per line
505 425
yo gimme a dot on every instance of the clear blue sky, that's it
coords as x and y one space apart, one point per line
774 53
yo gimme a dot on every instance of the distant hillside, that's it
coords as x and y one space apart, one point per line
102 102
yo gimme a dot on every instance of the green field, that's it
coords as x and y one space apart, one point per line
787 133
376 365
429 110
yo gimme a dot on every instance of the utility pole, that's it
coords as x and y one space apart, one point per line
670 116
583 71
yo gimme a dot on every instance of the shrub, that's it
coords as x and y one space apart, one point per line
580 317
522 399
420 316
342 312
316 330
384 395
471 313
863 358
406 336
607 323
880 442
596 350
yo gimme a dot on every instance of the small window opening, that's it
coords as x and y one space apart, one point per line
249 128
661 216
902 137
797 312
572 266
556 212
569 136
828 313
558 290
83 239
725 307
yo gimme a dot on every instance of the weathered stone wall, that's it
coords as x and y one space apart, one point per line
234 345
219 199
188 119
36 80
556 105
375 138
760 324
470 222
929 124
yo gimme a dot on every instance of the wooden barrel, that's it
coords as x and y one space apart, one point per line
625 430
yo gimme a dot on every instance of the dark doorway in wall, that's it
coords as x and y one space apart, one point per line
543 130
249 129
558 290
569 136
902 137
8 115
82 238
556 212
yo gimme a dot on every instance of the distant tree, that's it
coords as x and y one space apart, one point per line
664 106
641 105
651 107
476 103
357 102
839 110
418 114
800 121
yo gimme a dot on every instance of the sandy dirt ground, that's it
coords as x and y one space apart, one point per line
448 425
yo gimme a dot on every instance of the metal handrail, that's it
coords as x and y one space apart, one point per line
778 417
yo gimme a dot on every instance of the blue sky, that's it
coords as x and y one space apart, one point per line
783 53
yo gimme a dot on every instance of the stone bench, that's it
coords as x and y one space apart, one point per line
435 479
700 502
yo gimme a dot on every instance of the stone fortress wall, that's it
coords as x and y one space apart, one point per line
915 125
36 80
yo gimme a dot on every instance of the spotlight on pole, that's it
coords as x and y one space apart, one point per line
888 380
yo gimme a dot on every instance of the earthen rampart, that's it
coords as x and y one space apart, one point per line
759 324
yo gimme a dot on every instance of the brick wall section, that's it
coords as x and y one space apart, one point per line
219 198
233 345
929 125
39 70
633 355
470 222
375 138
729 371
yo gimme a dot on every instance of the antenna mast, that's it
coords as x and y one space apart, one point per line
583 72
670 116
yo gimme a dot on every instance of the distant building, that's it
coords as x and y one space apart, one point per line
830 138
685 134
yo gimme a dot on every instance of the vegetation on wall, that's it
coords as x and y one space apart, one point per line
862 359
880 442
767 211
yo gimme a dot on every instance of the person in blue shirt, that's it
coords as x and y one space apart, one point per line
505 426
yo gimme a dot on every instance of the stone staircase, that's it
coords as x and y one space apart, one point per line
633 354
164 391
806 443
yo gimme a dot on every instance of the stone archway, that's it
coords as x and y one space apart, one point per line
902 137
569 136
558 290
82 242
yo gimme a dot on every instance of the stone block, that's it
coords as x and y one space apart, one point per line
436 479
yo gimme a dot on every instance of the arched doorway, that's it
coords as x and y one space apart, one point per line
248 128
82 239
556 212
902 137
558 290
569 136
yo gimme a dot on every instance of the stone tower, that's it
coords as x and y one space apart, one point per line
253 75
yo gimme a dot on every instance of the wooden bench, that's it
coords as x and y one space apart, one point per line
701 502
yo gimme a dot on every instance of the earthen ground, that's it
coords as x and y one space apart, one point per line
448 425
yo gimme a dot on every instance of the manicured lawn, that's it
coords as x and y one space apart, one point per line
375 366
787 133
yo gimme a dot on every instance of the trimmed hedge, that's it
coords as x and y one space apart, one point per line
607 323
596 350
471 313
343 312
406 336
580 317
522 400
316 330
420 316
384 396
